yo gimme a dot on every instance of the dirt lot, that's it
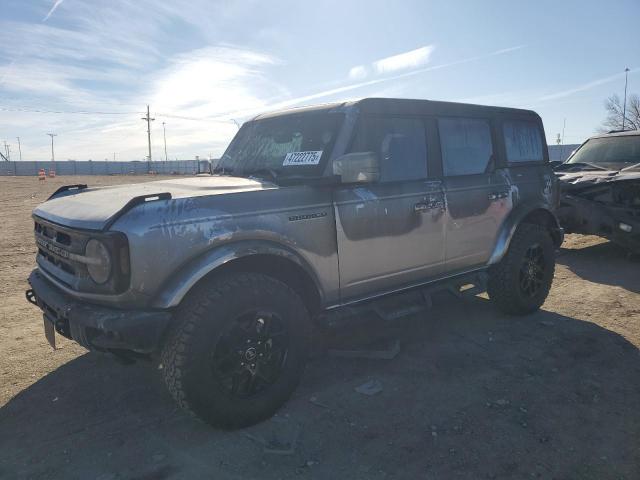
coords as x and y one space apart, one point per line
472 394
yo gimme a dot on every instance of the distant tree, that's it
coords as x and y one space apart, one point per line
615 109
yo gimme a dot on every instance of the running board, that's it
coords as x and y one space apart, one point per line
401 305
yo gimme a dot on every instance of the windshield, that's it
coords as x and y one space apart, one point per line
609 152
291 145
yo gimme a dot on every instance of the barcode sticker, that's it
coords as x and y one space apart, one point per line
302 158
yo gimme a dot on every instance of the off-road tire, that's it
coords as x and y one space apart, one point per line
201 319
504 287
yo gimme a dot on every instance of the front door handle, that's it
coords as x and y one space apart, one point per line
498 195
432 203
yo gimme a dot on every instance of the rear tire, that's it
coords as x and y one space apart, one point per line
520 282
238 350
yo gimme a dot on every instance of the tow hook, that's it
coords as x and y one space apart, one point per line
31 297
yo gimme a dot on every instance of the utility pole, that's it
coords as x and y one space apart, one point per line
6 151
164 133
148 119
624 105
53 157
564 124
19 148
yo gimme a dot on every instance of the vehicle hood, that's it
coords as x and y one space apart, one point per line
570 181
94 208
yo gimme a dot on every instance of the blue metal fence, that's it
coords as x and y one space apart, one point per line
73 167
171 167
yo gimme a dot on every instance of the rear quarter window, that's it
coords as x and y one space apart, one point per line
523 141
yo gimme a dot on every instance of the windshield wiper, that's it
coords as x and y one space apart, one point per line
579 166
260 173
631 167
223 171
305 180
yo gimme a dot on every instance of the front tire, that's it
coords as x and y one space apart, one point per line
520 282
239 349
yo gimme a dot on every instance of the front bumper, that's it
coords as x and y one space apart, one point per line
579 215
96 327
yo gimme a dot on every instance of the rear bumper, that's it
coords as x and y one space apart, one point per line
96 327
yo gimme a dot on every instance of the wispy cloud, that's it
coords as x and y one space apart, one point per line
56 4
209 82
367 83
402 61
358 72
115 57
585 86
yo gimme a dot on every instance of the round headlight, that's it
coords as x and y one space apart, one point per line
99 261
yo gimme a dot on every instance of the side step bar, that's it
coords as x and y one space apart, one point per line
404 304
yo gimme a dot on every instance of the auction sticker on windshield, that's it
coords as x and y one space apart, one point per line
302 158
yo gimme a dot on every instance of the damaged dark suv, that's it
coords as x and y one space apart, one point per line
600 188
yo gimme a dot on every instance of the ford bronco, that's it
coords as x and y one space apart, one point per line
312 216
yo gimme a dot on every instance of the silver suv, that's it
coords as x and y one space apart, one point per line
312 216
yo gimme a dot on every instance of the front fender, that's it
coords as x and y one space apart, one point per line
538 211
175 289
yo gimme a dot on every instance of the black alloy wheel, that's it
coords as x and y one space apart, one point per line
532 271
250 356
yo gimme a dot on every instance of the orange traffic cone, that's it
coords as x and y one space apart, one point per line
41 174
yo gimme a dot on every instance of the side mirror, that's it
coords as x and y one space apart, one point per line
359 167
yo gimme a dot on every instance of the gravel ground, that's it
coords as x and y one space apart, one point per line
472 394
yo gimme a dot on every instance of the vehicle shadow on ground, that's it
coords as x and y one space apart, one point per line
605 263
472 394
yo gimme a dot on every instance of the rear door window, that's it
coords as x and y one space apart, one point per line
523 141
466 145
400 144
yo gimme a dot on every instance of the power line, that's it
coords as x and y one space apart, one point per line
67 112
91 112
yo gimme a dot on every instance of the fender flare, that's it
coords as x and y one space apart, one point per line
509 226
181 282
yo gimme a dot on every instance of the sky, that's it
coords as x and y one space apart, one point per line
86 69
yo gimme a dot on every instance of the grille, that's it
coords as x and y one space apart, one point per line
57 247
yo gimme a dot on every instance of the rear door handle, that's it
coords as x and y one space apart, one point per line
421 207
